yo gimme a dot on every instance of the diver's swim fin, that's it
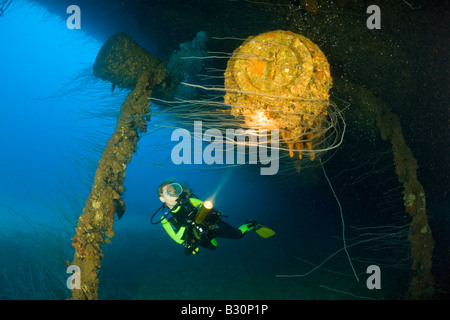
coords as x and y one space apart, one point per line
264 232
261 230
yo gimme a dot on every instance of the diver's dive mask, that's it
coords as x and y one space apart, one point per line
174 190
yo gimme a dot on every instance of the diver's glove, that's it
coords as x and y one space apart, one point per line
188 250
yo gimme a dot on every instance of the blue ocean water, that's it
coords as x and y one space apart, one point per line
55 120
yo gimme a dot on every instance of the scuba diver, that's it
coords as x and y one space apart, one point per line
193 222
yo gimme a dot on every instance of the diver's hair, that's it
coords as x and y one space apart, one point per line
185 187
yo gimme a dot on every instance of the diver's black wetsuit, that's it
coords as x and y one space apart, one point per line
222 230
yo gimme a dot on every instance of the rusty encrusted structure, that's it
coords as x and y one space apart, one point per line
127 65
420 236
280 80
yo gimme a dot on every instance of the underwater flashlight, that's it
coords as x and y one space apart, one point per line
206 208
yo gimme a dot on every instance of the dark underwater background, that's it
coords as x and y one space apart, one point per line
56 117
